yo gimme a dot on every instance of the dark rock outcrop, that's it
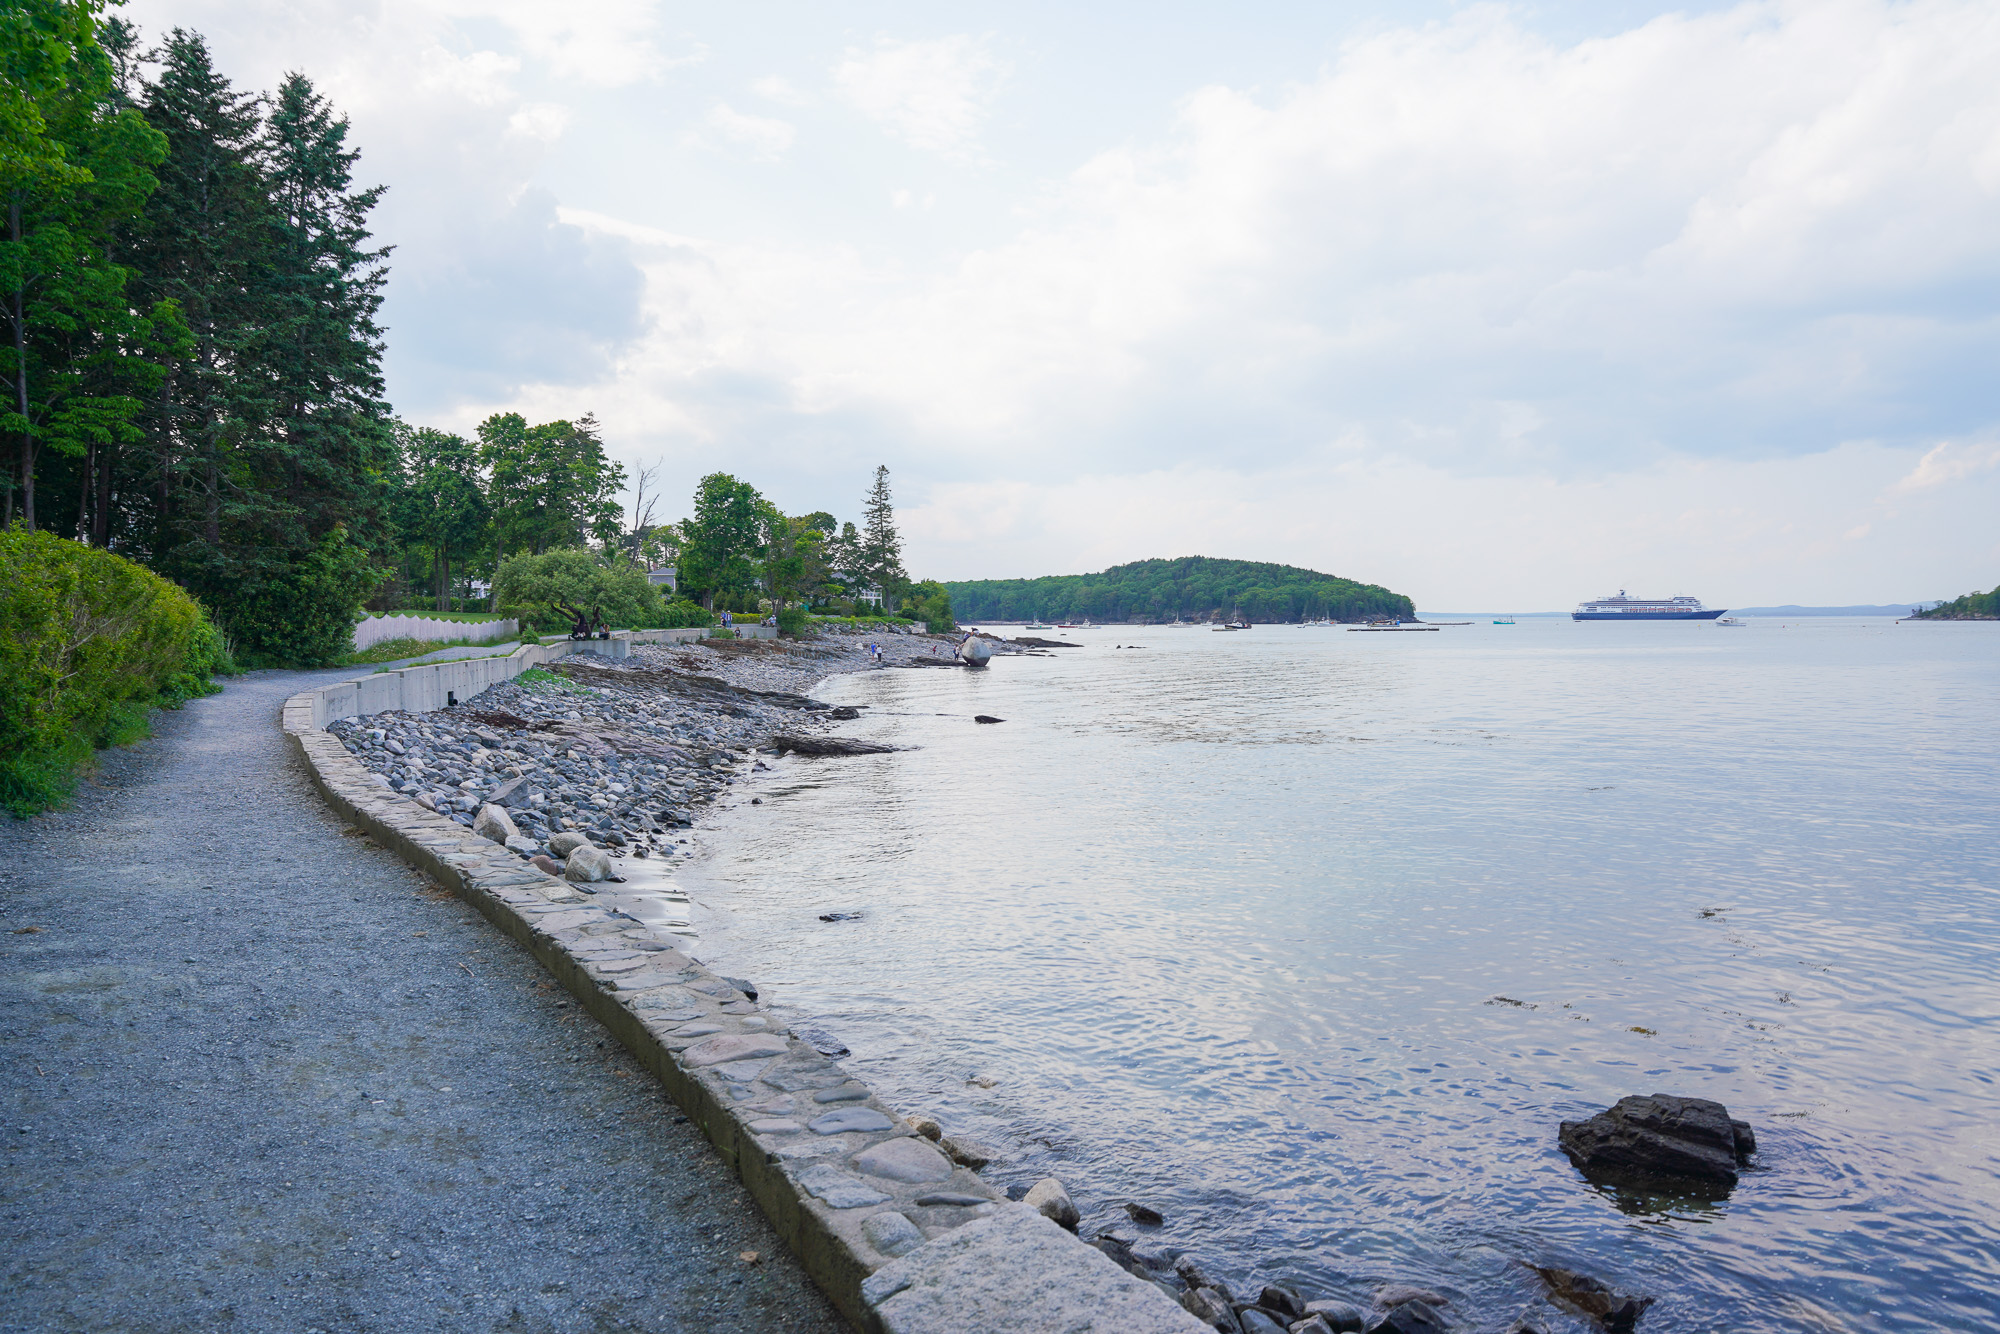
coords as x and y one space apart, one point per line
1660 1140
827 745
1614 1312
1284 1301
1410 1318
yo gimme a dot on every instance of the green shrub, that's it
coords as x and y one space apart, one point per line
930 603
301 613
89 642
528 587
792 621
681 613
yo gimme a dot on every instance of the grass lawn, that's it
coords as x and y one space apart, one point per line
394 650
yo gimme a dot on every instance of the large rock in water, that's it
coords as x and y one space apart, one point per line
1661 1140
827 745
1615 1312
1053 1202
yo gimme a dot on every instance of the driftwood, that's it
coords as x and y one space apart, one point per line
826 745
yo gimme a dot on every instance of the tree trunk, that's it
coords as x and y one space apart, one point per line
100 517
20 318
83 494
444 578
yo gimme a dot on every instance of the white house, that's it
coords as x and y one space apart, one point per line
666 576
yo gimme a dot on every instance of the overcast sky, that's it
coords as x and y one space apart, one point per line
1500 306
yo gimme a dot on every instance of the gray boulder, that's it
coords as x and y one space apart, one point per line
561 845
1341 1317
1048 1198
587 865
1284 1301
513 792
1210 1307
1660 1140
492 823
966 1152
524 845
1409 1318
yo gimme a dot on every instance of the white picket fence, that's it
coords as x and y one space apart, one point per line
378 628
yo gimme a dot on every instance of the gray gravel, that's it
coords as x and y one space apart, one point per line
261 1076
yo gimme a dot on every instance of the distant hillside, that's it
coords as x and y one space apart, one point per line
1971 607
1191 587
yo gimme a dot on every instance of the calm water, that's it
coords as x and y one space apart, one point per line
1222 920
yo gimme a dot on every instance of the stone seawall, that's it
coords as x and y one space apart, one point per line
901 1239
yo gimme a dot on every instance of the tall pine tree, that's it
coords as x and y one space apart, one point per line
329 437
881 544
206 246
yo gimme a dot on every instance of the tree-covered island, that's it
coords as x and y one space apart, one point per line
1192 588
1971 607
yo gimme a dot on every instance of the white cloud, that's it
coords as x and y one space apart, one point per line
608 42
1951 462
776 88
544 121
931 94
763 136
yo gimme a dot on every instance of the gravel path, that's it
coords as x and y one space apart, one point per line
259 1076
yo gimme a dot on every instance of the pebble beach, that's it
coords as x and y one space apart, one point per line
621 753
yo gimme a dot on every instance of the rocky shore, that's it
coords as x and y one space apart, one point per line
622 753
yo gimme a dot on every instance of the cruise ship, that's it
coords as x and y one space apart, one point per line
1623 608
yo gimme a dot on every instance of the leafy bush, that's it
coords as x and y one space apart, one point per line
930 603
792 621
681 613
302 613
88 643
528 587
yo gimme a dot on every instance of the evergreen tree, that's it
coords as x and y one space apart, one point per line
206 247
881 547
267 444
327 445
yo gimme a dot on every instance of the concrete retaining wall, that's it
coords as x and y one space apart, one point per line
899 1238
378 628
438 685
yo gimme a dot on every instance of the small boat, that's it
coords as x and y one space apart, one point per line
1503 620
1037 625
1730 620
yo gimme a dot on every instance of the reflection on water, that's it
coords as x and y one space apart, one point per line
1223 923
